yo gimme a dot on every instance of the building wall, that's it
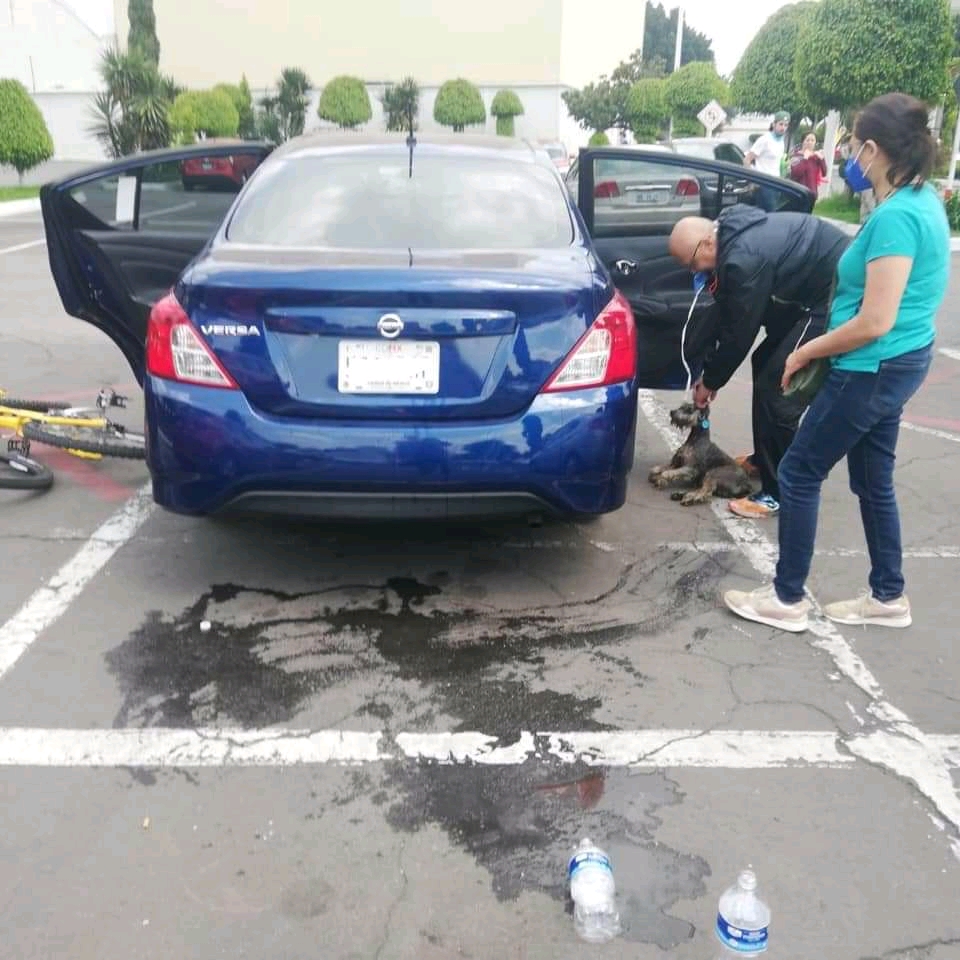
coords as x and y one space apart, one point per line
496 42
68 118
595 37
46 48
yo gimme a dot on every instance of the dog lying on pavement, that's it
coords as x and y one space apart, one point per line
699 463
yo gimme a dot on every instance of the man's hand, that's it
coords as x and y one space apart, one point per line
702 396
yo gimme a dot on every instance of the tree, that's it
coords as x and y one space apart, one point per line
401 105
506 105
345 102
599 139
594 107
24 138
131 113
688 91
241 98
142 37
765 78
203 113
647 109
459 105
850 51
660 39
284 114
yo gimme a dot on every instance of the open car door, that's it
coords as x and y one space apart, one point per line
120 234
630 199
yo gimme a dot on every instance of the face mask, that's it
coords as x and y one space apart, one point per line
855 175
777 135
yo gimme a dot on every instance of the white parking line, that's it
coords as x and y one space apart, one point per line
723 546
899 745
947 352
50 602
930 431
22 246
649 749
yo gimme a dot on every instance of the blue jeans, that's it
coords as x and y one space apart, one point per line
856 415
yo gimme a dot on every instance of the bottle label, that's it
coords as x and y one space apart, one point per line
742 941
589 857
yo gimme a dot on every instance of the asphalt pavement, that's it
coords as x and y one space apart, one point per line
262 738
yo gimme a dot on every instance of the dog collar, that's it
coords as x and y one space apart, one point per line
705 423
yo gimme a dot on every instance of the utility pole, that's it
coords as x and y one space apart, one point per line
677 52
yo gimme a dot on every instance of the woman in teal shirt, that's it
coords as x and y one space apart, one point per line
890 284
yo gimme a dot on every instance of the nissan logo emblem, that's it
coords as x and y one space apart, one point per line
389 326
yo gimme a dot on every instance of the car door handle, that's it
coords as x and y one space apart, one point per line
626 268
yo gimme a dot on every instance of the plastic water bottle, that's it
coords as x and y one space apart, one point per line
592 890
743 919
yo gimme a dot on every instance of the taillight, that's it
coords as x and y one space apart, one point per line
606 190
175 350
605 354
686 187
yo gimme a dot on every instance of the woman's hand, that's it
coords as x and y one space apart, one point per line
796 361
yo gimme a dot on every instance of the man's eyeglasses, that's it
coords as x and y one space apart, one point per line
693 258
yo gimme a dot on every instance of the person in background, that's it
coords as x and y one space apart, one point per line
807 165
891 281
766 155
767 150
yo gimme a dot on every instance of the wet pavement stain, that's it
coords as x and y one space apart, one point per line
523 822
267 652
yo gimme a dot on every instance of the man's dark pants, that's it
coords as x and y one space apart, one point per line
776 417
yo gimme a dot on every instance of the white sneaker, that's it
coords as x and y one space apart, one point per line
867 609
764 606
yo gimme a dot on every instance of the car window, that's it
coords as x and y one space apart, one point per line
556 153
729 152
367 199
188 196
633 196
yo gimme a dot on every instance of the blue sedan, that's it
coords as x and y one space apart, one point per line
391 327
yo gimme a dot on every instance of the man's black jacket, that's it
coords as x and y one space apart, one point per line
766 260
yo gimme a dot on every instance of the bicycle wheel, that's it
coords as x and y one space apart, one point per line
22 473
105 441
34 406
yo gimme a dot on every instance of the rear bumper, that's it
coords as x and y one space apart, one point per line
208 451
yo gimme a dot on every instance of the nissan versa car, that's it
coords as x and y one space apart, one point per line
377 327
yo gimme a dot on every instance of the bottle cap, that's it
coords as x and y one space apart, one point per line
747 880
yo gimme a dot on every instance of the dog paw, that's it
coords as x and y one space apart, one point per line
691 499
654 473
677 495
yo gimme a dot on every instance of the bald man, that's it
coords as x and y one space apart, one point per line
771 270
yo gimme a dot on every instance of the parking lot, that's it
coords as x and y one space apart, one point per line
388 739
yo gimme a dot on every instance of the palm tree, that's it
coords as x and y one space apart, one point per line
131 113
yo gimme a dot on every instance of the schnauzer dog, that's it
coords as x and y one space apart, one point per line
700 463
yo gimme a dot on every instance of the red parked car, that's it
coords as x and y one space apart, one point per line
228 173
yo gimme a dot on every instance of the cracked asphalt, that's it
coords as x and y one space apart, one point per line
417 632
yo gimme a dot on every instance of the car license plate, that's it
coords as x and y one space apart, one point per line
206 164
649 196
395 366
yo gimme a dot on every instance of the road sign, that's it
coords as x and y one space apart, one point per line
711 116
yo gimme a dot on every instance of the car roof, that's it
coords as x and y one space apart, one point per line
322 140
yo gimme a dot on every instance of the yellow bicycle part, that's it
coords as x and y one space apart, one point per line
13 418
